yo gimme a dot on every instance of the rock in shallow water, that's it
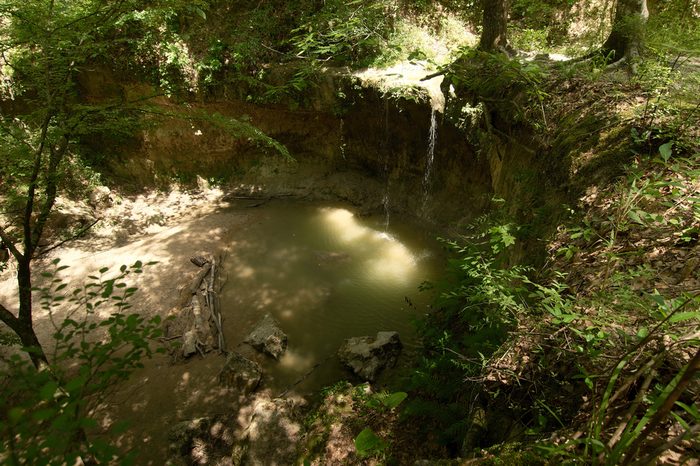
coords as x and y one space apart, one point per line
240 373
268 337
367 356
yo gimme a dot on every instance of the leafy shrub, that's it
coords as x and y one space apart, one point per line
47 414
342 32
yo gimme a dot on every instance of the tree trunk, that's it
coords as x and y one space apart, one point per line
25 325
494 33
625 39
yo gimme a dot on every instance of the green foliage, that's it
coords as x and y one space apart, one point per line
342 32
631 338
420 40
8 339
479 303
150 42
510 87
529 40
47 412
393 400
373 406
367 443
539 13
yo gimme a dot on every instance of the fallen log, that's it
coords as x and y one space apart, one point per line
214 307
197 282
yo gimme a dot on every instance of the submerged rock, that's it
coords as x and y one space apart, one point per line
240 373
367 356
268 337
331 257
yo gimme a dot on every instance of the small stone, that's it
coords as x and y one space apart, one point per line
240 373
100 196
268 337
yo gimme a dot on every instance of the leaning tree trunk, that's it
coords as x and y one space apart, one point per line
627 33
494 33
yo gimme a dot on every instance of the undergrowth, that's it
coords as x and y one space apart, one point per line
602 341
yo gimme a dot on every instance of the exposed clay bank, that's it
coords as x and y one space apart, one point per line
349 143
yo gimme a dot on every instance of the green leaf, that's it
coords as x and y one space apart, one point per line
642 333
43 414
74 384
200 12
666 150
395 399
15 414
367 442
48 390
683 316
109 287
634 216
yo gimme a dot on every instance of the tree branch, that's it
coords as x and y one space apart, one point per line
31 192
51 189
7 241
7 317
75 236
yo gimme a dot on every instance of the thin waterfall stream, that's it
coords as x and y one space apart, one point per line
432 137
385 160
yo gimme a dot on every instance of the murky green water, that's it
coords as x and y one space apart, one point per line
325 275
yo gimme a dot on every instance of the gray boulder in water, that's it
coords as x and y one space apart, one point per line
240 373
367 356
268 337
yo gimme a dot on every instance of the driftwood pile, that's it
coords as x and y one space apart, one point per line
196 322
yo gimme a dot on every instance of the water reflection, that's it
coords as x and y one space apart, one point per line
326 275
388 258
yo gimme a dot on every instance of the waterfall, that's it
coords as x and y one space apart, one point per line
342 138
432 137
385 163
385 203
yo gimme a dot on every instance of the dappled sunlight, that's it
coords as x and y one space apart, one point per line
325 275
344 225
388 258
393 261
293 359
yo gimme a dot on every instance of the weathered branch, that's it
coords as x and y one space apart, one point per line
7 241
198 279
